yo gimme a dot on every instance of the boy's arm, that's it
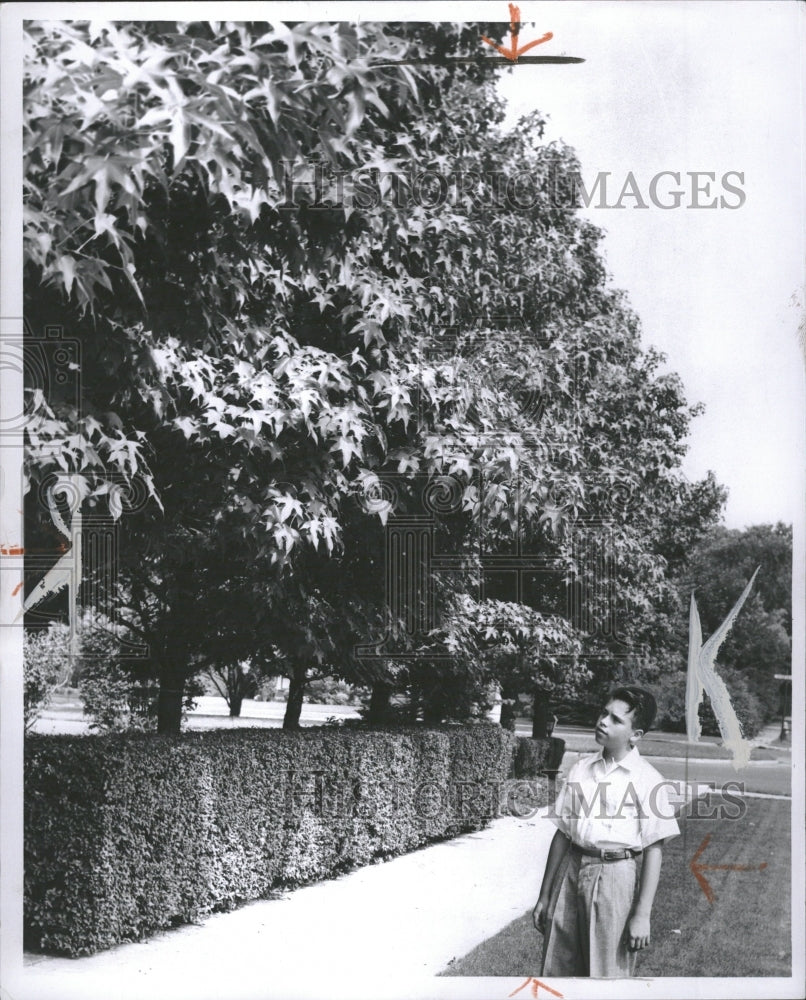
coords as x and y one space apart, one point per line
559 846
638 924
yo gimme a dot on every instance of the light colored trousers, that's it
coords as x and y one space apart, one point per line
587 918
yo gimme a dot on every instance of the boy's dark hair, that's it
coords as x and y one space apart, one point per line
641 703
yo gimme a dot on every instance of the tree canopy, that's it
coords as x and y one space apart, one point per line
301 271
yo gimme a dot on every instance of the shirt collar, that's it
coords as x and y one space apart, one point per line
629 761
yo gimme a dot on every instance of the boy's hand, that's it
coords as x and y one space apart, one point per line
539 915
638 932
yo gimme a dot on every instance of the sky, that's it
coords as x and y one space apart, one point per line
697 87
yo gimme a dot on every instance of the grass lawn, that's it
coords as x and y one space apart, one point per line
746 931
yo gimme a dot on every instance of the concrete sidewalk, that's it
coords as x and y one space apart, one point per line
381 931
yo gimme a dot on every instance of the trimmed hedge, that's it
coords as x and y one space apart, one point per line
129 834
531 758
534 768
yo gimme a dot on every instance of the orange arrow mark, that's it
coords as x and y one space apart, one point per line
514 30
535 985
697 869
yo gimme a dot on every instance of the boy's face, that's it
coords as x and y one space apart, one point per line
614 727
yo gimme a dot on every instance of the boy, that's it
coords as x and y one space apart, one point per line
592 921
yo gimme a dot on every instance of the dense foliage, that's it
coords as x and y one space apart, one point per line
46 666
127 835
759 644
300 273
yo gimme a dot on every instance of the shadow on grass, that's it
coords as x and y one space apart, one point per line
745 931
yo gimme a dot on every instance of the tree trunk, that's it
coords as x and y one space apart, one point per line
296 689
432 714
234 691
379 703
509 707
540 715
169 702
433 703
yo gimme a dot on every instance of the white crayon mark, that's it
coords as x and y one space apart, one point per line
702 675
64 573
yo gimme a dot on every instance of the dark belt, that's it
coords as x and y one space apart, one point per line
619 854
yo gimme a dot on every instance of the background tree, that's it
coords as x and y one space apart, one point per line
182 253
234 682
758 646
493 643
606 423
760 643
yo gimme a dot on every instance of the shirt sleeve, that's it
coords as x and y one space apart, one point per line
560 815
658 819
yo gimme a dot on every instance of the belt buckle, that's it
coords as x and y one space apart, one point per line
613 855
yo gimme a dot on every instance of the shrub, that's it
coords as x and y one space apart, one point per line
37 690
47 664
531 758
126 834
266 689
105 692
89 656
116 695
110 690
747 706
332 691
670 694
533 769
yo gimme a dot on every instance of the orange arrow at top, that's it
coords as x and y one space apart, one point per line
514 30
697 869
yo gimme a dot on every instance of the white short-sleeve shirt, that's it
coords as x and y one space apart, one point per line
623 804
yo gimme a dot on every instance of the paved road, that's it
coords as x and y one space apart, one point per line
767 777
770 776
761 777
